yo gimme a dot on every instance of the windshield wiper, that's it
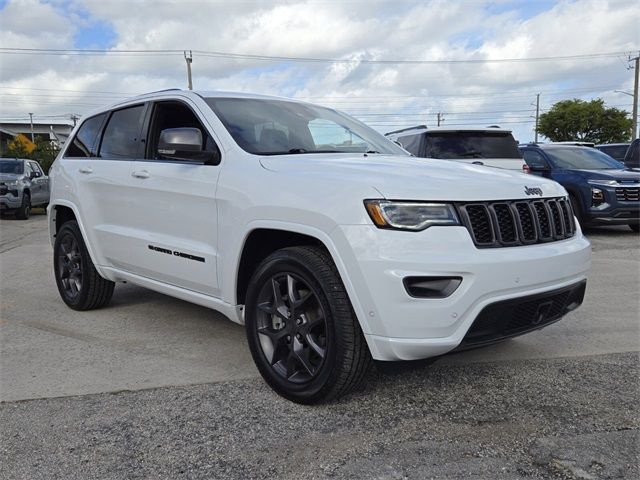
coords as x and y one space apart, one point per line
372 151
297 150
472 153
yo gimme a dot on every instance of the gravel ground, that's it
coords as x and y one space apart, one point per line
556 418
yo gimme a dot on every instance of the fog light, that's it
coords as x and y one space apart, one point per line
431 287
597 197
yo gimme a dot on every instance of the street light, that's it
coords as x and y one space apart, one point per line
626 93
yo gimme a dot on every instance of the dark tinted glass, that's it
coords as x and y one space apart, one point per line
121 136
471 145
411 143
614 151
280 127
534 159
632 158
582 158
11 166
85 142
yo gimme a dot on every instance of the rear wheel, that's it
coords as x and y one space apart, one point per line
303 334
635 227
24 211
79 284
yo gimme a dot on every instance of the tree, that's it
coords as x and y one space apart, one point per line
43 151
585 121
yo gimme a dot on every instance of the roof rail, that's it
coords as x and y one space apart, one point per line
407 129
160 91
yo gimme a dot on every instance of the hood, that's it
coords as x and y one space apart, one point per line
4 177
412 178
621 175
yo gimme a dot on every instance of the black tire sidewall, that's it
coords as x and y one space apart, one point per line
24 212
71 228
286 262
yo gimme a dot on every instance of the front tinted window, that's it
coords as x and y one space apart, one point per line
279 127
582 158
12 166
85 142
121 136
450 145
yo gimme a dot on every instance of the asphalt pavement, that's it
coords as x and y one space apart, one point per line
154 387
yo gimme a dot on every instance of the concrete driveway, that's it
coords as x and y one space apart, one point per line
144 339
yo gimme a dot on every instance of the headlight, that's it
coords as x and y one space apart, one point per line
602 182
414 216
11 183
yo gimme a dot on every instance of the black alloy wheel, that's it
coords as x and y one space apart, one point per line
70 266
80 285
292 327
302 332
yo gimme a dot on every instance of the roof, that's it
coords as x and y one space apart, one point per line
623 144
423 128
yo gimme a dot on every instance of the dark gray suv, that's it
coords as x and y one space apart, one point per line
23 185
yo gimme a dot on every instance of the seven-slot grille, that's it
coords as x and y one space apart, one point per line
511 223
628 194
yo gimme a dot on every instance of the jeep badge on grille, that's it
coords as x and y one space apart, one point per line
533 191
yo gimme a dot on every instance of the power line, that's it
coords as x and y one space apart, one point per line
244 56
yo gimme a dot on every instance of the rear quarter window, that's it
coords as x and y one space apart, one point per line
85 142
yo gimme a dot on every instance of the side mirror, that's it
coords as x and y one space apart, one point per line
33 175
184 144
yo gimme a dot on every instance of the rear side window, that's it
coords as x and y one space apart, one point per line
615 151
450 145
534 159
121 137
85 142
411 143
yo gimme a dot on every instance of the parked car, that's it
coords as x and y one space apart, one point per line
328 241
23 185
602 190
616 151
632 157
492 146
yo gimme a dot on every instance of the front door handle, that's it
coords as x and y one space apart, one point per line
140 174
85 170
478 163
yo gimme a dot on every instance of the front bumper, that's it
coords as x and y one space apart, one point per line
400 327
620 207
10 201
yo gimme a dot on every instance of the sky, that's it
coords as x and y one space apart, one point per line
392 64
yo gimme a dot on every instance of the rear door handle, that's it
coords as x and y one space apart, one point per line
85 170
140 174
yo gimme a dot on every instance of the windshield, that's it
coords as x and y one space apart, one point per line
582 158
450 145
11 166
280 127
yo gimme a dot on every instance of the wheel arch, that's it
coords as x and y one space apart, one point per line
304 235
59 213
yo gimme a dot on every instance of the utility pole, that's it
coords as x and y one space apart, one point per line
440 118
634 133
31 121
537 116
189 59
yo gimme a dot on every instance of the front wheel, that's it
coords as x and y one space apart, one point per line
80 285
24 211
303 334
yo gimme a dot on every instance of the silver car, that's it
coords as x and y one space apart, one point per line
23 185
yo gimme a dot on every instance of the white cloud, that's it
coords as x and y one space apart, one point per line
467 93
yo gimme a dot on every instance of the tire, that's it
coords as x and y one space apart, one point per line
24 211
577 210
635 227
79 284
317 352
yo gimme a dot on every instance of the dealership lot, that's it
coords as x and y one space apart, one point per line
156 387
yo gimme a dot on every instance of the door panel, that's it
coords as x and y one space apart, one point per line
173 232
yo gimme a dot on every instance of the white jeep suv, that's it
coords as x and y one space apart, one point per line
325 239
